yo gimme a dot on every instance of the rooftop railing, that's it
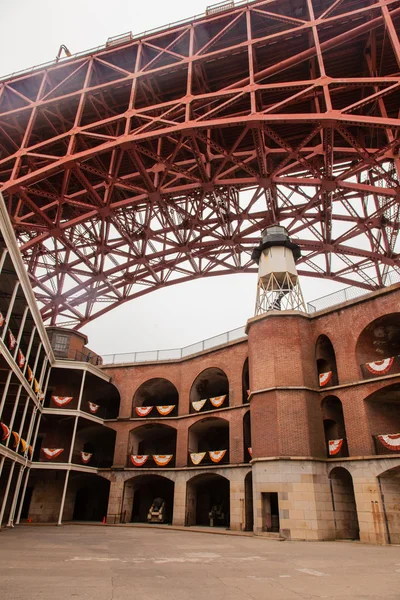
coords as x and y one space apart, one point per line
350 293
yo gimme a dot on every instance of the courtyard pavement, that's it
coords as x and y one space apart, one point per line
131 563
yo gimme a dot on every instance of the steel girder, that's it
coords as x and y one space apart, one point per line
160 160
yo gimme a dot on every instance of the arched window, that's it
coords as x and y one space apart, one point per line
247 450
209 436
334 427
152 439
156 392
383 413
326 362
212 387
378 346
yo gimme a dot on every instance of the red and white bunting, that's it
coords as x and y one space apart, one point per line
162 459
143 411
198 404
2 319
335 446
197 457
324 378
138 460
40 395
6 431
165 410
391 441
51 453
12 342
250 451
380 367
17 437
86 457
20 359
218 401
217 455
29 374
93 407
61 400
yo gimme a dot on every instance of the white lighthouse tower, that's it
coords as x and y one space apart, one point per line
278 285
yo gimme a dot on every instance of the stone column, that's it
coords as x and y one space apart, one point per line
116 494
178 517
237 501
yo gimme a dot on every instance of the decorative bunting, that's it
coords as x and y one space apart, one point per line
197 457
61 400
6 432
165 410
143 411
324 378
40 395
12 342
36 386
198 405
30 450
162 459
51 453
24 446
16 439
138 460
250 451
218 401
335 446
20 359
29 374
217 455
86 457
380 367
248 393
2 319
93 407
391 441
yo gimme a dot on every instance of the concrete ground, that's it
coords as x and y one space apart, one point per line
129 563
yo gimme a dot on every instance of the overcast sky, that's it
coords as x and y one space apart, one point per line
31 32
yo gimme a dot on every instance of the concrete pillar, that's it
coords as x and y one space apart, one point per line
370 512
115 498
237 502
178 517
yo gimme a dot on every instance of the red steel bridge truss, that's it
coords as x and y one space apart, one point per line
159 159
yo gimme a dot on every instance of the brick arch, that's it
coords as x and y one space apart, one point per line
380 338
156 391
325 358
209 382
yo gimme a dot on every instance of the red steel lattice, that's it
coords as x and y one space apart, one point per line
160 159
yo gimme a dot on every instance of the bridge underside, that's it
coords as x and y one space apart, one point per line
161 159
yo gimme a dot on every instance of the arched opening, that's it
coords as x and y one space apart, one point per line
245 382
247 450
248 502
390 486
147 491
334 428
210 391
152 440
344 505
208 501
378 346
210 437
326 362
91 496
94 444
157 392
383 413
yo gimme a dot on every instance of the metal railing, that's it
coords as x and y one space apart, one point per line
349 293
175 353
129 38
